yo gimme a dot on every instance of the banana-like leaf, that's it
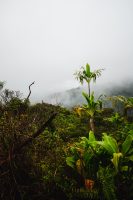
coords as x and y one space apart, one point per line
91 136
91 104
70 162
84 141
92 97
110 144
88 142
86 96
73 150
127 144
115 160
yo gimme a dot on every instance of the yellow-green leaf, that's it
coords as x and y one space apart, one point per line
115 160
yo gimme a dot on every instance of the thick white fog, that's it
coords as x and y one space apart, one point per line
46 41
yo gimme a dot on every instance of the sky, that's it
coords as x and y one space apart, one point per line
46 41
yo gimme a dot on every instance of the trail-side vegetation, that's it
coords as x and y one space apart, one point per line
49 152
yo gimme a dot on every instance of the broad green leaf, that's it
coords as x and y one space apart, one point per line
110 144
91 136
86 96
115 160
127 144
87 158
70 161
92 97
73 150
84 141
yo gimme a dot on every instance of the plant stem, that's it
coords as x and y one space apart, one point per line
89 89
92 126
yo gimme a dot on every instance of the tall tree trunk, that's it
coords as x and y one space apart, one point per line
92 125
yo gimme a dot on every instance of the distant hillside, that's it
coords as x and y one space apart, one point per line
74 96
68 98
126 89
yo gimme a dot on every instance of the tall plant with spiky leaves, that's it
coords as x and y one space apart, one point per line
90 108
85 74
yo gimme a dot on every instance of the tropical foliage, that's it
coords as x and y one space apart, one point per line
46 152
85 74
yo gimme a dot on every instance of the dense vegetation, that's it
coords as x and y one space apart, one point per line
49 152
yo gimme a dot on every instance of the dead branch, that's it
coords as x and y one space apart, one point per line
36 134
29 91
28 140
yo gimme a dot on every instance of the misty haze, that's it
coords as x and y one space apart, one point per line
47 41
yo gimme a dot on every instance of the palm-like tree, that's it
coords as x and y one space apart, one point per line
90 108
85 74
